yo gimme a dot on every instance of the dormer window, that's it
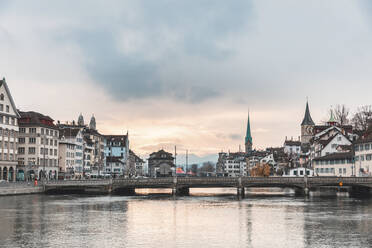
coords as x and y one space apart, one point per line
2 97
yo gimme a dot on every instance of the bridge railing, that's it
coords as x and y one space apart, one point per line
79 182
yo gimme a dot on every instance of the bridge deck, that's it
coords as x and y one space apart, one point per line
194 182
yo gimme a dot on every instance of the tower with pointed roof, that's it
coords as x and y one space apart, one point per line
81 120
248 137
307 126
92 123
332 121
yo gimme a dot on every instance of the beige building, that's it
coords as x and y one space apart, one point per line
38 146
338 164
66 158
363 154
8 134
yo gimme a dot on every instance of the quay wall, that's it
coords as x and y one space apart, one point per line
21 190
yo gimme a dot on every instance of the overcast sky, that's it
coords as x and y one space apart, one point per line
185 72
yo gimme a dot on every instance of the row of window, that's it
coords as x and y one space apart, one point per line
6 145
32 150
363 147
37 161
7 108
8 120
32 130
367 157
338 161
11 156
330 170
7 132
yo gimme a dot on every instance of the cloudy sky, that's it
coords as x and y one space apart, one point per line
184 73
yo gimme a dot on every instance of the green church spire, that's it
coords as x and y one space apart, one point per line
248 136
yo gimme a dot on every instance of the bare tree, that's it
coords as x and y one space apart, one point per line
207 167
341 114
362 117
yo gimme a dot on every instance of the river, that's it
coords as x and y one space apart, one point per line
204 219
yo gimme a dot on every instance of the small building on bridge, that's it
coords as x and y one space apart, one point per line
161 164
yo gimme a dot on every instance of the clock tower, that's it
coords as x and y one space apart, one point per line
307 126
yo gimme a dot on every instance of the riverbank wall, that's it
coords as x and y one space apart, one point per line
21 190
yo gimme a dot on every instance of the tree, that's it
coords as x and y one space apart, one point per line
362 117
207 167
194 168
341 114
261 170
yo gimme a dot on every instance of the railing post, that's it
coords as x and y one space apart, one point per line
174 188
306 188
240 189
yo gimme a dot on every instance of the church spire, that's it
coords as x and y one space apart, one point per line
248 136
307 118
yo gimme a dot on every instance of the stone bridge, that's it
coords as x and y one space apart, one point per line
181 185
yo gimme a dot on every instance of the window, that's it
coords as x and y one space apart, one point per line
361 157
42 130
361 147
31 150
7 120
51 152
301 172
344 170
368 157
339 138
55 142
32 130
55 152
366 147
356 158
1 107
2 97
339 171
7 108
21 150
22 130
334 145
47 131
32 140
21 140
12 121
41 150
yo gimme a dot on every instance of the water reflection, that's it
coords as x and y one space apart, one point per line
201 220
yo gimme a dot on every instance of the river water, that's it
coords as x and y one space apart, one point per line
204 219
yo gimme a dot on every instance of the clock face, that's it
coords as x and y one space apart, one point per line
310 130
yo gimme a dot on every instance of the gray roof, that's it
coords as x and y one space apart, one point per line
307 118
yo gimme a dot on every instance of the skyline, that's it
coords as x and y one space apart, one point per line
194 89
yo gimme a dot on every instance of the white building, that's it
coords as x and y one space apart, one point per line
299 172
38 146
327 141
363 154
8 135
292 147
233 164
335 164
72 139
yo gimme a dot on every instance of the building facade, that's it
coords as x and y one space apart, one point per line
8 136
117 148
72 144
161 164
38 146
335 164
363 154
